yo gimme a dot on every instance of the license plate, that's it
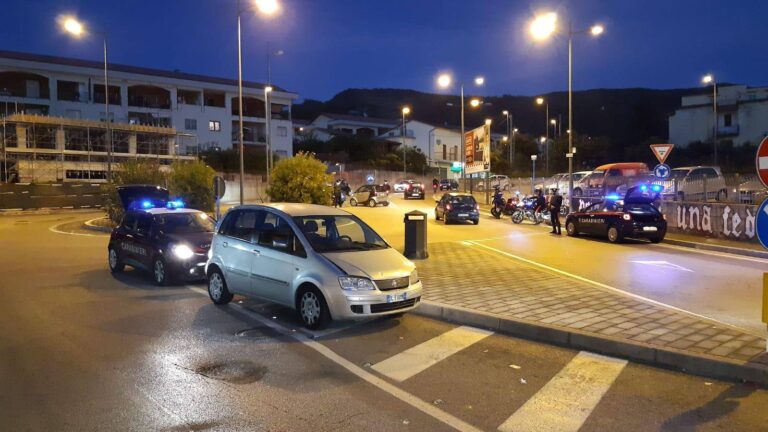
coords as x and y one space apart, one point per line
463 214
650 229
415 194
391 298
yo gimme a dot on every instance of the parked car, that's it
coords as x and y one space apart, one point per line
457 207
691 184
751 192
500 181
615 218
560 182
402 185
612 178
370 195
321 261
448 185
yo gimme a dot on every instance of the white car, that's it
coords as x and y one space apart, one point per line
501 181
691 184
560 182
321 261
402 185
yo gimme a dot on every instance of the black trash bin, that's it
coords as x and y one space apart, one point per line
415 235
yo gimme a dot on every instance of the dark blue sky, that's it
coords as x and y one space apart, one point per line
331 45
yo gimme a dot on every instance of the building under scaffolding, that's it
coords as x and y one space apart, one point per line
42 149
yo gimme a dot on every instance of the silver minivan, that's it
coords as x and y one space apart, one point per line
321 261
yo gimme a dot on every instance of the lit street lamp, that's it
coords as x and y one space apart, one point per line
266 8
444 81
542 101
267 127
533 174
508 116
406 110
706 80
543 27
75 28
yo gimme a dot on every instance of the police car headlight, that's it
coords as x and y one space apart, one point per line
182 251
350 283
414 277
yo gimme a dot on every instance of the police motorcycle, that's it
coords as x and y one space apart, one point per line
525 211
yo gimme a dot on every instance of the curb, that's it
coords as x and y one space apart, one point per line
89 225
717 248
698 364
44 212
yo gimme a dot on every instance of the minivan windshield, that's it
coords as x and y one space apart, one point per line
184 223
337 233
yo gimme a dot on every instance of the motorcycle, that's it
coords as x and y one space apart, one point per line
501 208
526 211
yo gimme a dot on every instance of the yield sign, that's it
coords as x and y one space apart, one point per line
761 162
662 151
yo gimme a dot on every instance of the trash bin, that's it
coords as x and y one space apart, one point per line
415 235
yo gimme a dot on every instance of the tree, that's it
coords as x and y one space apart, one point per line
193 183
301 179
139 171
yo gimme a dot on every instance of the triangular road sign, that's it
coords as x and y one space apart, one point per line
662 151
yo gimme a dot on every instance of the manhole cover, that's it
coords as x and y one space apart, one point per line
236 372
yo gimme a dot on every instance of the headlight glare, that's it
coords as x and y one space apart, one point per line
351 283
414 277
182 251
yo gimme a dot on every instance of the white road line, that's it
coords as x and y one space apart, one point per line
711 253
54 228
567 400
616 290
410 362
383 385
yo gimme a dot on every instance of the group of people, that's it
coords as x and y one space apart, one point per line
341 191
553 203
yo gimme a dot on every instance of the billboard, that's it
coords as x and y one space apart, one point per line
477 150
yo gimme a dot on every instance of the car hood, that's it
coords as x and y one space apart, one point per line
374 264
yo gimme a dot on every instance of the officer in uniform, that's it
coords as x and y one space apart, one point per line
555 203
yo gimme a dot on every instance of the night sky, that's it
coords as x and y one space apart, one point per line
331 45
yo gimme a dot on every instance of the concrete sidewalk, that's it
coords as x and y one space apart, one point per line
466 283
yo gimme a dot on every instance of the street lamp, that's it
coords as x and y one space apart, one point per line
706 80
444 81
475 103
543 27
542 101
406 110
508 117
266 8
533 174
267 128
75 28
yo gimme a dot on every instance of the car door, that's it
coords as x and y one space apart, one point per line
143 249
587 220
125 236
273 267
235 247
440 207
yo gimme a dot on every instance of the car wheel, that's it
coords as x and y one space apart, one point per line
353 202
437 218
722 195
115 263
371 203
160 272
386 203
475 221
217 288
313 310
570 228
614 236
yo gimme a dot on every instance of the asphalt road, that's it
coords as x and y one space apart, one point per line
83 350
722 287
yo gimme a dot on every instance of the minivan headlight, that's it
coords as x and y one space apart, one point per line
182 251
413 278
351 283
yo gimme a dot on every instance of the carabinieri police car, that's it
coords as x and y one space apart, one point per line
634 216
160 235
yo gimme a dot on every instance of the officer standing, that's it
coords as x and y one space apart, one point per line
555 203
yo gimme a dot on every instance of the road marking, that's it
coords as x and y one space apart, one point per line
663 264
567 400
55 228
381 384
616 290
711 253
410 362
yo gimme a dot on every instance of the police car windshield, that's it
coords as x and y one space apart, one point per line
184 223
327 233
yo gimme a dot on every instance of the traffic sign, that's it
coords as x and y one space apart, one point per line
662 151
761 161
370 179
662 171
761 224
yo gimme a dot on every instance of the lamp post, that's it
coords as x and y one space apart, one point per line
75 28
508 116
533 174
265 8
542 101
406 110
267 129
445 81
541 28
710 79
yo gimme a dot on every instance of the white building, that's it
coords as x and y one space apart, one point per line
195 104
326 125
441 144
742 116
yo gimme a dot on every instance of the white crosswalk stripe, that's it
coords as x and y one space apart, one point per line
410 362
567 400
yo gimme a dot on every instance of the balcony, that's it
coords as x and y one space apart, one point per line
728 131
144 96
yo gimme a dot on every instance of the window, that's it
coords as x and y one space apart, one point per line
282 131
275 233
445 152
190 124
143 223
240 224
214 125
339 233
728 120
129 221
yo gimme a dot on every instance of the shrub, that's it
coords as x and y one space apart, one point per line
300 179
193 183
139 171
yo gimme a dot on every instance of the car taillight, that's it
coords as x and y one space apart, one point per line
626 216
447 206
477 206
664 216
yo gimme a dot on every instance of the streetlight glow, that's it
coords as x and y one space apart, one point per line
553 122
475 103
707 79
505 138
268 89
487 121
267 7
597 30
444 81
514 130
539 100
505 112
73 26
543 26
479 81
406 110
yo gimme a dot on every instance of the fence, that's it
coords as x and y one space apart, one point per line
37 196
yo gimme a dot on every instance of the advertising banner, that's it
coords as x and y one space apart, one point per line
477 147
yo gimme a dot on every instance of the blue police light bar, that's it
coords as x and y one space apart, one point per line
146 204
643 188
175 204
657 188
612 197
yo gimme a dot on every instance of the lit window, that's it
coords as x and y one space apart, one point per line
214 126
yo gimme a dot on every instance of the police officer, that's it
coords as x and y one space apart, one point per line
555 203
